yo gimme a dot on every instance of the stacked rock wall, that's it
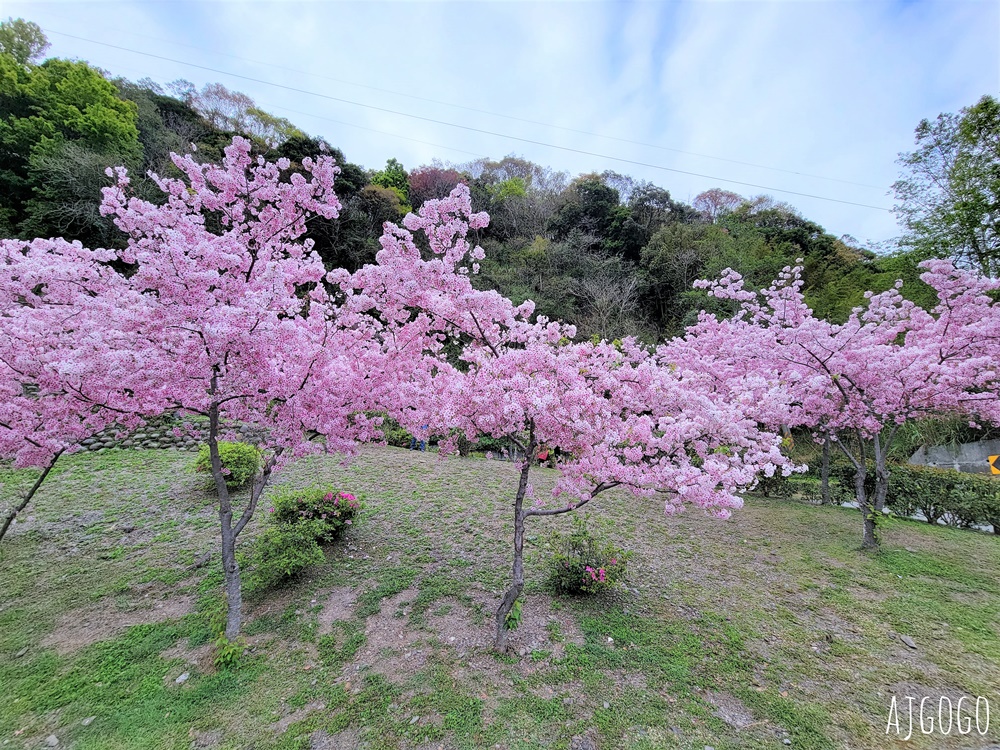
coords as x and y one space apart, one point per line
159 432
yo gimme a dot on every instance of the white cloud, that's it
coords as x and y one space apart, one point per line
825 88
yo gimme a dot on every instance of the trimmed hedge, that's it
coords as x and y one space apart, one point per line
955 498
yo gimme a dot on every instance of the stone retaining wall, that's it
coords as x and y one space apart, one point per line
159 433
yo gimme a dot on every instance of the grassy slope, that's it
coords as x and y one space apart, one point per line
773 615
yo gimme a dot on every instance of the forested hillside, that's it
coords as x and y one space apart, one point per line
610 253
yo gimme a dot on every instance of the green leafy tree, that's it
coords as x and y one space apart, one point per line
394 177
43 108
24 41
948 197
588 206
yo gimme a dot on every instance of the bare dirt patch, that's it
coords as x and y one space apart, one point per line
627 680
338 606
543 631
730 709
281 726
104 620
392 647
349 739
199 657
455 628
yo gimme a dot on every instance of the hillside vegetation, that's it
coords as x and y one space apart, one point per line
610 253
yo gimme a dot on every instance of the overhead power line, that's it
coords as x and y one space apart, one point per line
469 128
143 73
376 130
514 118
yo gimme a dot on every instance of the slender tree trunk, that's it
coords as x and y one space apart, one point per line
234 593
877 501
28 496
230 568
824 473
869 540
230 531
517 585
881 475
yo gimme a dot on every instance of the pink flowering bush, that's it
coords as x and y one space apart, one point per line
582 565
326 510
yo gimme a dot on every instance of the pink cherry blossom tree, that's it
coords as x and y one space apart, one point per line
615 416
63 376
232 319
890 362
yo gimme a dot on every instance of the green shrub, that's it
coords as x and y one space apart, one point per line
227 653
774 486
240 462
959 499
394 434
582 565
843 471
921 489
487 444
279 554
326 511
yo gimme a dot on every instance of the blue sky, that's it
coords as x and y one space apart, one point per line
804 96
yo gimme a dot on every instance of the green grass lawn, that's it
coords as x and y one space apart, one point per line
740 634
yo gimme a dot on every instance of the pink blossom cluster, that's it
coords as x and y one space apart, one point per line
890 362
226 308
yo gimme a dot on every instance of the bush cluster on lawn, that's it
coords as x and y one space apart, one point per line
326 511
774 486
395 435
281 552
581 564
240 462
300 520
956 498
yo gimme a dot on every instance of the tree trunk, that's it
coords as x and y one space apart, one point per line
230 568
869 540
517 585
28 496
824 473
234 594
876 503
881 476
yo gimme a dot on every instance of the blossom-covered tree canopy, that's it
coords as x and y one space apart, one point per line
890 362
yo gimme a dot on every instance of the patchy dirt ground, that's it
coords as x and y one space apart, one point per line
737 634
103 621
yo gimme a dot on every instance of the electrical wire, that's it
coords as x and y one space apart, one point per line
513 118
469 128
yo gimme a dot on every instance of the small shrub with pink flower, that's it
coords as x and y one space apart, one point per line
581 564
328 510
